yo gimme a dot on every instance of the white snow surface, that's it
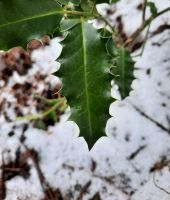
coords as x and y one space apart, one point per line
121 165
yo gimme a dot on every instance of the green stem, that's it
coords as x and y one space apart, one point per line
42 115
94 6
144 44
146 37
73 12
144 10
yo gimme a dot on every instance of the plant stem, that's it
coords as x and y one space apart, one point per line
73 12
136 34
42 115
144 10
94 6
145 40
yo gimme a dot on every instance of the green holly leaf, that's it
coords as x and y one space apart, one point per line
123 70
111 47
23 20
86 80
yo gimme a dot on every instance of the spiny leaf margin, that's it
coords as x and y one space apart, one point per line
86 80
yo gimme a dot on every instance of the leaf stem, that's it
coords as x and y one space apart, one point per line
74 12
42 115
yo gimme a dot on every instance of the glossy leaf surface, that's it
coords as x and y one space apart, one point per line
23 20
86 80
123 71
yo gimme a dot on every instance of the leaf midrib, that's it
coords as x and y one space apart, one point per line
85 77
31 18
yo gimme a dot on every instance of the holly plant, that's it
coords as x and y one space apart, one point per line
91 58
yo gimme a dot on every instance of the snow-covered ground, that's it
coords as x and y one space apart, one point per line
132 162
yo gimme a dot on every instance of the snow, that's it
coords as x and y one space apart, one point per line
123 165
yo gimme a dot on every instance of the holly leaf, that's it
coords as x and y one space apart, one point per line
86 80
21 21
123 71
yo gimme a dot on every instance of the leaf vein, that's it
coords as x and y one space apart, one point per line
85 78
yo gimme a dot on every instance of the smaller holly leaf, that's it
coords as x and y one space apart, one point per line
111 47
123 71
153 8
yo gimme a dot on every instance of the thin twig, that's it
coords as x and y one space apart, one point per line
152 120
159 187
115 35
45 187
145 40
136 34
2 179
84 190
